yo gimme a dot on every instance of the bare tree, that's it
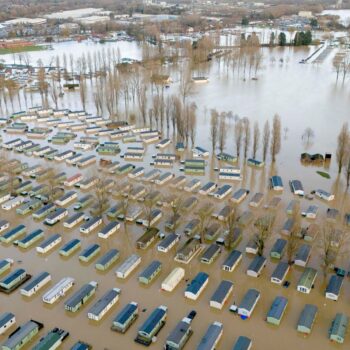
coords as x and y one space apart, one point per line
332 244
276 137
222 133
149 205
54 93
238 136
192 122
185 84
293 238
231 225
343 141
264 226
246 130
176 207
347 167
101 195
214 128
266 139
256 139
308 136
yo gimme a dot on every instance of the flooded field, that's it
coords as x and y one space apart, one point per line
304 96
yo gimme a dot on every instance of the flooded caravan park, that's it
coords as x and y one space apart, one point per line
304 96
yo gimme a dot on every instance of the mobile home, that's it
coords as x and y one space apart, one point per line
107 260
188 250
168 242
13 234
173 279
307 280
13 280
36 283
211 253
150 272
74 220
49 243
91 225
109 229
307 319
125 318
58 290
52 340
334 287
22 335
196 286
80 297
248 303
89 253
129 265
179 336
7 320
151 327
303 255
54 217
147 238
212 337
280 273
339 328
70 247
256 266
221 294
242 343
104 304
232 261
30 239
277 310
66 198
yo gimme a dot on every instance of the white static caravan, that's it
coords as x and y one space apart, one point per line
4 225
104 304
91 225
129 265
54 217
88 183
58 290
35 284
221 294
222 192
66 198
86 161
109 229
49 243
41 151
163 143
5 197
280 273
74 220
62 156
324 195
232 261
208 188
192 185
13 203
173 279
74 159
168 242
164 178
6 321
71 181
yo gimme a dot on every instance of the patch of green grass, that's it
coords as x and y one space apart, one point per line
323 174
4 51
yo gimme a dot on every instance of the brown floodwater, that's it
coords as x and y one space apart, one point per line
304 95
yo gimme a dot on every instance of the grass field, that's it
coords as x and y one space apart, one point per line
4 51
